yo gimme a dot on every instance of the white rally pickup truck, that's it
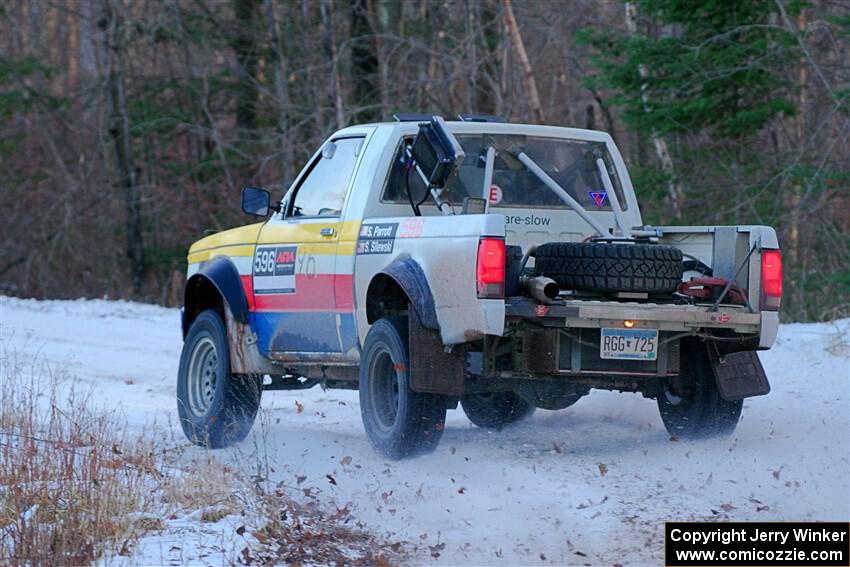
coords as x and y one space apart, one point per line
502 267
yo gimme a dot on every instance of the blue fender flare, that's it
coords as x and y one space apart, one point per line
408 274
223 277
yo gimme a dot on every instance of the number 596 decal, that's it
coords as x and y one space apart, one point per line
274 269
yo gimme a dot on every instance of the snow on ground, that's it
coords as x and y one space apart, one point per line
591 484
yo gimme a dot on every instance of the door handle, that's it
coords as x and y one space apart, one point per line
327 231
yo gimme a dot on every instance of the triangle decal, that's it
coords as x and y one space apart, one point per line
598 197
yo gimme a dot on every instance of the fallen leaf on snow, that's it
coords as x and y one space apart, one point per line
436 549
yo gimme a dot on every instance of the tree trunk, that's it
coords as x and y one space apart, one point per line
281 89
247 54
364 66
488 96
119 130
377 16
525 65
332 52
795 203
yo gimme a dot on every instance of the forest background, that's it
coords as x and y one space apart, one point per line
127 128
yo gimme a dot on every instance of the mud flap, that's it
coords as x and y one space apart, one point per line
432 369
739 375
245 357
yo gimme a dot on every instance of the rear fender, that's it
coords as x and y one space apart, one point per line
408 274
432 369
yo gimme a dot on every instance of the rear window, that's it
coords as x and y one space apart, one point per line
572 163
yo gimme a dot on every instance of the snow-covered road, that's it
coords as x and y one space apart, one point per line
591 484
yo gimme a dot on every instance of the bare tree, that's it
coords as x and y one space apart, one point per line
119 129
527 71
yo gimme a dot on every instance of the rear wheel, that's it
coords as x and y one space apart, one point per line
216 408
691 406
495 410
398 421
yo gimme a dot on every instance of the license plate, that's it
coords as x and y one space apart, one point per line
629 344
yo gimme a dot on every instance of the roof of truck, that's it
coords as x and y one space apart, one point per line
460 127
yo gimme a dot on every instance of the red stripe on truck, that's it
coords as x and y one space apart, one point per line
322 292
248 286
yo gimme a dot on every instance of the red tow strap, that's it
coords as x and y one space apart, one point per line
705 287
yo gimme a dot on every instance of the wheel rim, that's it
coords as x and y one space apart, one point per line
384 391
202 376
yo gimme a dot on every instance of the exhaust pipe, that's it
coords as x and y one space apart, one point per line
541 288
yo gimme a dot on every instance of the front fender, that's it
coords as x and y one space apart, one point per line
220 274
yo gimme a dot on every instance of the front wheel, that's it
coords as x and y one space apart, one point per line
691 406
216 408
495 410
398 421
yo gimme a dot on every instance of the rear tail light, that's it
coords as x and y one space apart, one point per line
771 280
490 272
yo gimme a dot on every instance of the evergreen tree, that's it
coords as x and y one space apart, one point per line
699 65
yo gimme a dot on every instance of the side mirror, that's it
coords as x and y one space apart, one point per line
255 201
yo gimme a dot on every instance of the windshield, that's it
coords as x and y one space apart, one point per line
572 163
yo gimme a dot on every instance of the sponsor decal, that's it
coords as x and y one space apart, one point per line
274 269
527 220
495 195
598 197
411 228
377 238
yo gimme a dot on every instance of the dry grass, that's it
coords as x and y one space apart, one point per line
305 532
75 488
70 482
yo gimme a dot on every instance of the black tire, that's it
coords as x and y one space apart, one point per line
398 421
216 408
611 267
691 406
495 410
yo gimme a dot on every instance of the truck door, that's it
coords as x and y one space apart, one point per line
295 307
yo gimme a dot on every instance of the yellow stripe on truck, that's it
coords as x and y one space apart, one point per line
232 251
307 235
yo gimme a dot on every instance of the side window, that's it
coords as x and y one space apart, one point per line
322 192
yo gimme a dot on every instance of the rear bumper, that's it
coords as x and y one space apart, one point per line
664 317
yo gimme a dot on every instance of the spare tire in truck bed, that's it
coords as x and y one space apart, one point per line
610 267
